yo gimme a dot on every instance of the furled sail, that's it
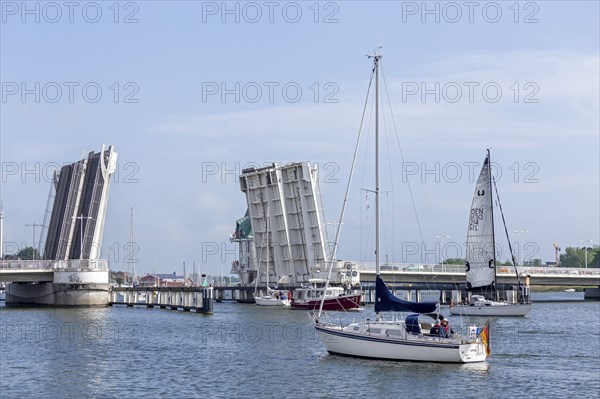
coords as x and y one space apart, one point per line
480 262
385 301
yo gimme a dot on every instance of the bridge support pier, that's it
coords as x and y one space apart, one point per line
69 288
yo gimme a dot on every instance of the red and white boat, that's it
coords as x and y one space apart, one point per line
336 298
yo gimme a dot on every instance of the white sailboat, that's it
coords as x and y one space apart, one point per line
273 297
397 339
481 258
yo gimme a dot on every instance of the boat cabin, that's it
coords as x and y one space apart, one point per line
312 293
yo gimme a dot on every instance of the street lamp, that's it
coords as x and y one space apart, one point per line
585 248
521 245
81 217
442 250
33 226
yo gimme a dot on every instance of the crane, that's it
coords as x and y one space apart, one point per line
556 251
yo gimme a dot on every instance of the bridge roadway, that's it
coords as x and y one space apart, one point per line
43 271
455 274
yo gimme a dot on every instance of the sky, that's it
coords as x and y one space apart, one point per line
191 92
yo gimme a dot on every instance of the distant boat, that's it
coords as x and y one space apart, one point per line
334 298
481 258
273 297
570 290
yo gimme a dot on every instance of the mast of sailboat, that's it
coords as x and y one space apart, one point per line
495 291
131 247
268 245
376 58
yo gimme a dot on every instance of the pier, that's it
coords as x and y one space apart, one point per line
187 299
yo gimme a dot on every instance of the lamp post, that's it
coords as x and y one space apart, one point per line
521 245
585 248
442 250
81 217
33 226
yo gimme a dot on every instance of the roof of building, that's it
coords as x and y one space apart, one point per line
164 276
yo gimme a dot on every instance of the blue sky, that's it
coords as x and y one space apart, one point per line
521 78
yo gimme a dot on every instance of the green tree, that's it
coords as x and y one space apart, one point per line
573 257
533 262
454 261
594 257
28 253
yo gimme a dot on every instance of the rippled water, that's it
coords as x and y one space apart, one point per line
244 350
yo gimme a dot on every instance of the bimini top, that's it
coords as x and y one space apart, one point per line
385 301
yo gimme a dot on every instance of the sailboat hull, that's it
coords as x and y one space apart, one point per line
345 302
270 301
418 348
497 309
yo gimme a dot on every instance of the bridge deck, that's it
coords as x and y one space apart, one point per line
42 271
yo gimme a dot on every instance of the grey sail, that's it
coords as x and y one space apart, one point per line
480 261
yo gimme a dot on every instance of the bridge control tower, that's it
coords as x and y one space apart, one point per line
74 236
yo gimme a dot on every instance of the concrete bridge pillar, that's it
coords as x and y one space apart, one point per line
69 288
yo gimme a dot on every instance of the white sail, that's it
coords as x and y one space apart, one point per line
481 268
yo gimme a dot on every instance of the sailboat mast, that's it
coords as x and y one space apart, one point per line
493 230
268 245
131 248
377 58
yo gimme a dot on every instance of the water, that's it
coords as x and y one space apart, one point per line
244 350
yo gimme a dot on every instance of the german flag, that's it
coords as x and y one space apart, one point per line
485 337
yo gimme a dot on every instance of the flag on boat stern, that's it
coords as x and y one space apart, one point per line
485 337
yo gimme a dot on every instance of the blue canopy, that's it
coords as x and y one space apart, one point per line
412 324
385 301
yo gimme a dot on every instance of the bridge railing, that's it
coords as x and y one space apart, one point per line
439 268
71 264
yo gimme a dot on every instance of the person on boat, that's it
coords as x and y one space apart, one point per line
435 329
444 329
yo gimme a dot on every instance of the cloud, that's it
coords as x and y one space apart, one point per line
542 94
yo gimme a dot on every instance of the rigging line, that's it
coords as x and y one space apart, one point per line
412 199
383 231
366 151
506 231
391 175
362 181
402 155
345 201
368 249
